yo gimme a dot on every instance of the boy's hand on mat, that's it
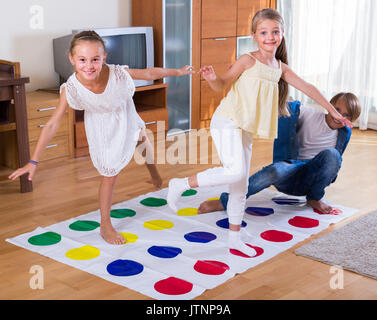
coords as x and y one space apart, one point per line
28 168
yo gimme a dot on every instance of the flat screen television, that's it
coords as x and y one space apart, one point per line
132 46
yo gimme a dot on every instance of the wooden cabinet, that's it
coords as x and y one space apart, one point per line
70 139
219 18
218 52
216 24
40 106
246 11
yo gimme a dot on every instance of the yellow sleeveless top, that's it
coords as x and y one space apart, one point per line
253 100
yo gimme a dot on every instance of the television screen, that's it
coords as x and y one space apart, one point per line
127 49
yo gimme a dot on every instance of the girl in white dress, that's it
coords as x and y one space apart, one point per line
113 127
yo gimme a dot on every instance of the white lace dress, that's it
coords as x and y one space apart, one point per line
112 124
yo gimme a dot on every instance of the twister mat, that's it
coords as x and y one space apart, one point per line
178 255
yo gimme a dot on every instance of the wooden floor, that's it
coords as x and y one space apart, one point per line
68 188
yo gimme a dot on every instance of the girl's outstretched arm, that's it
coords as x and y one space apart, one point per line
158 73
311 91
47 133
219 83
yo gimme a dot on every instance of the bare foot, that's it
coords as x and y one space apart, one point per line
109 234
210 206
320 206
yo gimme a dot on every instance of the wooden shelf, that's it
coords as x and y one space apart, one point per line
152 87
8 127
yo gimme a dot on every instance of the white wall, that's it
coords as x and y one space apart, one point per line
27 38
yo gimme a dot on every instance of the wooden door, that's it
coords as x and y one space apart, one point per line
218 52
219 18
246 11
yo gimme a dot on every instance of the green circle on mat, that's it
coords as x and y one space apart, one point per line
153 202
189 192
45 239
122 213
84 225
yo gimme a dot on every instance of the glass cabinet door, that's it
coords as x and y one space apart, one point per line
176 54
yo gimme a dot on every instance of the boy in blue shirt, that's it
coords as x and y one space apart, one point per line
307 154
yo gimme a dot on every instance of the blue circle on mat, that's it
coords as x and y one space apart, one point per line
286 201
224 223
202 237
124 268
164 252
259 211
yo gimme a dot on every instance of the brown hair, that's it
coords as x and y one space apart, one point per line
281 53
351 101
87 35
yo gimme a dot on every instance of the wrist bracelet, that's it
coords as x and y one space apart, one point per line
34 162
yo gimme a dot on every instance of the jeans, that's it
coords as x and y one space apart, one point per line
234 147
297 177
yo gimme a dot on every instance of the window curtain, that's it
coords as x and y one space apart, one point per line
333 45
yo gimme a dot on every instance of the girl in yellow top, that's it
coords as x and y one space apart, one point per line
251 108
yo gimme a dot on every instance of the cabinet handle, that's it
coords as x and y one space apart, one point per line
46 109
152 122
51 146
220 39
41 126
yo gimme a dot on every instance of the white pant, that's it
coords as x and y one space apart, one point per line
234 147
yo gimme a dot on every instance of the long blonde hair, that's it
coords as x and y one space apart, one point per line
281 53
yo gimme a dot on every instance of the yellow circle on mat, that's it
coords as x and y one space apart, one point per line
215 198
83 253
130 237
187 212
158 224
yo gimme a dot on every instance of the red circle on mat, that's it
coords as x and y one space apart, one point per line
276 236
173 286
240 254
334 211
303 222
213 268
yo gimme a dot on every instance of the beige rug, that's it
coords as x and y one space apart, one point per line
354 246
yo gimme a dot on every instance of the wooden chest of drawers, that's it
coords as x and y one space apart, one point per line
40 107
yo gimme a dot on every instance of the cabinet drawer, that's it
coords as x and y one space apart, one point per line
219 18
58 147
151 117
209 100
41 104
220 53
35 127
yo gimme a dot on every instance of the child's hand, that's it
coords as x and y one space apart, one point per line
344 121
28 168
208 73
186 70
